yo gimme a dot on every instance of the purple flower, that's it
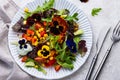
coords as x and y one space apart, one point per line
71 45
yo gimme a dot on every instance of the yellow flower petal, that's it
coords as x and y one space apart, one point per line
39 53
46 47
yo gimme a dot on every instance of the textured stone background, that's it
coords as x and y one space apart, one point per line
109 16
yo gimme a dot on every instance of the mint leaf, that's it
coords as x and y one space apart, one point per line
95 11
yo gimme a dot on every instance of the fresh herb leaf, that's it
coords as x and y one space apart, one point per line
95 11
47 19
41 69
65 65
72 18
53 40
78 32
76 40
30 64
27 14
38 9
29 60
63 12
32 28
46 6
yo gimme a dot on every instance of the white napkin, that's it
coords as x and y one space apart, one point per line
9 70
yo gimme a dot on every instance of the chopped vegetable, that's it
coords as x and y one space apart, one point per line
30 64
57 67
78 32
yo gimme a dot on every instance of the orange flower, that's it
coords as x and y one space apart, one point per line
58 25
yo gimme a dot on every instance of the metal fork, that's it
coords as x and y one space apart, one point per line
115 38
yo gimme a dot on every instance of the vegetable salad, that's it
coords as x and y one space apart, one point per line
50 38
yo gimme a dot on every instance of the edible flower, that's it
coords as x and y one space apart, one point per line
82 47
33 19
58 25
71 45
23 47
44 52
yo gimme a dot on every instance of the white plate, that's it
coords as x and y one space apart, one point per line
51 73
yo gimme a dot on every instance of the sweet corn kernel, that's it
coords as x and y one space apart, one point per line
41 29
43 65
45 35
36 66
24 22
38 34
35 43
48 43
26 10
43 38
51 58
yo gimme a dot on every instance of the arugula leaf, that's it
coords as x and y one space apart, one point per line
30 64
76 40
65 65
27 14
29 60
53 41
41 69
95 11
47 19
38 9
63 12
73 17
46 6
